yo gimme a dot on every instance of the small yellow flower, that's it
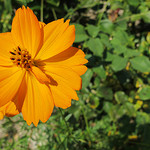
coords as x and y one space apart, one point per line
128 66
132 137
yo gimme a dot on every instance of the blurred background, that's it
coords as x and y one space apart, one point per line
113 112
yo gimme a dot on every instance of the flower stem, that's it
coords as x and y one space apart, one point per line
69 131
65 121
42 1
54 13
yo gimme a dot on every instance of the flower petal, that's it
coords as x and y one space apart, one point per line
26 31
38 103
42 24
11 110
6 38
72 57
9 86
3 110
80 70
58 36
6 72
62 92
60 99
66 74
41 77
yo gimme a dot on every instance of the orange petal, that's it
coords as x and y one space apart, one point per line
1 115
63 87
40 75
6 72
6 45
42 24
66 74
38 103
58 36
9 86
14 106
70 57
26 31
20 96
60 99
80 70
3 110
11 110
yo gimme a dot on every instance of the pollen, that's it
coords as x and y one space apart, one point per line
21 58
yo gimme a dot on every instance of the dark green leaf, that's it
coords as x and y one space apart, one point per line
100 71
145 93
80 33
92 30
105 92
141 63
96 46
119 63
86 78
121 97
106 26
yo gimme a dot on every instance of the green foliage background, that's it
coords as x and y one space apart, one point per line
113 112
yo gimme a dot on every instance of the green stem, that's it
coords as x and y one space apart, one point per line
131 17
69 131
104 9
65 121
42 1
86 120
140 144
54 13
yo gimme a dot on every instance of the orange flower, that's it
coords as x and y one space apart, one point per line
39 69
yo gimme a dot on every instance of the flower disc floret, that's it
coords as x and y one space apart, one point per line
21 58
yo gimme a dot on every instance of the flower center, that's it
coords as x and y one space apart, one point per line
21 58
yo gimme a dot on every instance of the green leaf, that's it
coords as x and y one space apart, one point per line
113 113
134 3
8 6
121 97
68 117
119 63
107 106
96 46
141 63
120 37
92 30
80 33
130 110
131 52
24 2
144 94
53 2
86 78
142 118
89 3
146 17
105 40
105 92
100 71
94 101
106 26
109 56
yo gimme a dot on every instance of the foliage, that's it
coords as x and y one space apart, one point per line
114 107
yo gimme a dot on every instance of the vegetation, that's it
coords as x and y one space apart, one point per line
113 111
